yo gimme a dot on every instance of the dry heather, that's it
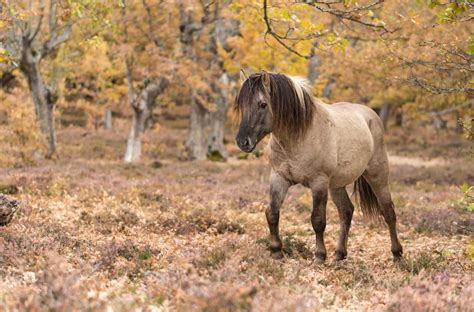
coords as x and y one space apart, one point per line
93 233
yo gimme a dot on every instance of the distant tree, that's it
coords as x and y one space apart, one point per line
36 31
142 97
415 54
205 28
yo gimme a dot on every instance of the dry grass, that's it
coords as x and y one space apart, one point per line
94 233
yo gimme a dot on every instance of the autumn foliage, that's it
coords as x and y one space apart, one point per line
117 153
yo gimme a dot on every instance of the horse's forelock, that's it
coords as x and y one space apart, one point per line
251 87
292 105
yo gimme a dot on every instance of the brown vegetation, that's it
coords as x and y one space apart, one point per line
96 233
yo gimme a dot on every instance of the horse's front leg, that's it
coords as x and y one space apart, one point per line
278 189
318 217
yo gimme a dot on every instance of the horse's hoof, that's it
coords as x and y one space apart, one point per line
277 255
397 256
340 255
320 257
397 259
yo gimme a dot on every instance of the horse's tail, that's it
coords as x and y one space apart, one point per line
367 200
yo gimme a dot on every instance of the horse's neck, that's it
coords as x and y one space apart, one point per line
319 127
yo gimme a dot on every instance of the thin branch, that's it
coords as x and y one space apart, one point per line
55 40
128 58
275 35
33 35
422 83
451 109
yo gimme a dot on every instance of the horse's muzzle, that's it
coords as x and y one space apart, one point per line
246 144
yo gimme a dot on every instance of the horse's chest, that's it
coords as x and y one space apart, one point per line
292 171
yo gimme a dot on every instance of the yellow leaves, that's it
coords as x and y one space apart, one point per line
22 137
5 56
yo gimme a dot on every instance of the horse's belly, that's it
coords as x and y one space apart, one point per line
351 165
342 180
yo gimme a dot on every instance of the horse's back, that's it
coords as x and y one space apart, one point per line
352 114
359 133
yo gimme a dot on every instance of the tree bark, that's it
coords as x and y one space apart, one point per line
143 107
24 35
384 114
108 119
328 88
43 97
216 149
196 142
313 66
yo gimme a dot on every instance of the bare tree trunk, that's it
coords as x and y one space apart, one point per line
206 129
328 88
313 66
400 120
108 119
196 142
216 148
134 143
24 37
143 107
438 122
45 101
384 114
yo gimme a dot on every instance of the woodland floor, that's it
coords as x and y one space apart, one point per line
94 233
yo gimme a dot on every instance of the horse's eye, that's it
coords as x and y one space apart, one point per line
262 104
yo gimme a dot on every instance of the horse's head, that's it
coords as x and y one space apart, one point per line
253 106
275 103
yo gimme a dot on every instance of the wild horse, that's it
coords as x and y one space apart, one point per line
323 147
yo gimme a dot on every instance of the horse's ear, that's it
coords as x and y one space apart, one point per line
266 80
243 75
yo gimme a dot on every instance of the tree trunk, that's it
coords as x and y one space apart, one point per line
216 148
400 120
196 142
108 119
142 110
45 101
438 122
313 66
134 143
328 88
384 114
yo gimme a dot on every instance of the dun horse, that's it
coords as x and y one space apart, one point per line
323 147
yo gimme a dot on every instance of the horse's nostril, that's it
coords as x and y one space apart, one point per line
247 142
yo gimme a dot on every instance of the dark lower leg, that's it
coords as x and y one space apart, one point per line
345 215
278 190
273 218
391 220
318 220
345 210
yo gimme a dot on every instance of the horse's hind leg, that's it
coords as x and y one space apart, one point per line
278 189
319 188
376 175
345 210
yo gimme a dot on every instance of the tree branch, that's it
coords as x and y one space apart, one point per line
275 35
350 14
55 40
33 34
